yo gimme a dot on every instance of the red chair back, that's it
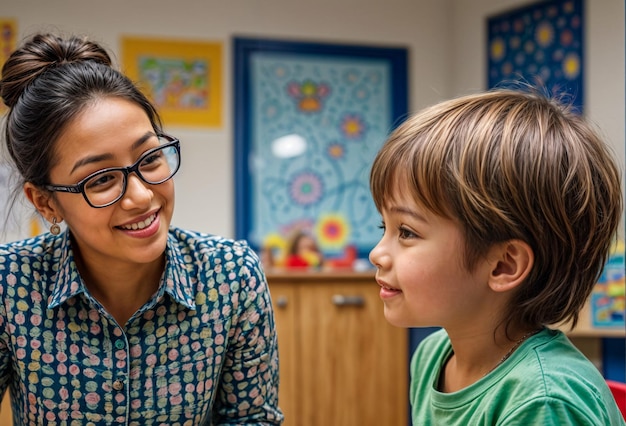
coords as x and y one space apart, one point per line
618 389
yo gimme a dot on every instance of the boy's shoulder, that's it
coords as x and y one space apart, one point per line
438 338
431 349
549 371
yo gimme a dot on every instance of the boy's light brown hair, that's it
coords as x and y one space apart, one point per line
509 164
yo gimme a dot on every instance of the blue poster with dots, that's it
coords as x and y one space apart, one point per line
540 45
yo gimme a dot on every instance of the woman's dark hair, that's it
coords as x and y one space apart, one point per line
46 83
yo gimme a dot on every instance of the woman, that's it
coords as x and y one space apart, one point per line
120 318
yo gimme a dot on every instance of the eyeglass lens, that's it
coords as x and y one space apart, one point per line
156 167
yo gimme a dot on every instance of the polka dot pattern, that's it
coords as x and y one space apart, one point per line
202 350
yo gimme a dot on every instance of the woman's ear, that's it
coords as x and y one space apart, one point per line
514 261
43 202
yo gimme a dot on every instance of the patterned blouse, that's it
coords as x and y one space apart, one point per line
201 351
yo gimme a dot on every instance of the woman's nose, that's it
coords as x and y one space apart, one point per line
138 192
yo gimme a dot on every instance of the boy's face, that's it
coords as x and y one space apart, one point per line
421 272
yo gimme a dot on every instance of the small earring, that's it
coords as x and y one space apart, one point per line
54 228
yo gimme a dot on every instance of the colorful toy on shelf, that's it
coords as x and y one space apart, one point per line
346 260
303 252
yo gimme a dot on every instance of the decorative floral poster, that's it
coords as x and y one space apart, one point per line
8 37
182 77
542 45
309 121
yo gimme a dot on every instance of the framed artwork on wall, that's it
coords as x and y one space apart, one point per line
608 299
542 45
309 119
8 43
182 77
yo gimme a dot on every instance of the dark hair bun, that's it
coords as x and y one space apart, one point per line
40 53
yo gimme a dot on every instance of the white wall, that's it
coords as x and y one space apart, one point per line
446 41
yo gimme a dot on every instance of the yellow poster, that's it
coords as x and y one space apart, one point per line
182 77
8 37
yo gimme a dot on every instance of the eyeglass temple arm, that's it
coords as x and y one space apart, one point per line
63 188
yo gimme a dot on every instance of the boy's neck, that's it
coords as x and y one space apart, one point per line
475 357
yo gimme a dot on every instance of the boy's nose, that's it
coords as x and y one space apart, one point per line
376 255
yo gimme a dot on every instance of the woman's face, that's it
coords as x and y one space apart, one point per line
112 133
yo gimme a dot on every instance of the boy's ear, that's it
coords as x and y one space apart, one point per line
514 261
43 202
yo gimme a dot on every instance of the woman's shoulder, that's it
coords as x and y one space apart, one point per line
203 245
39 246
30 263
205 240
213 260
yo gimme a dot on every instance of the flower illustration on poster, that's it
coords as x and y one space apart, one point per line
353 126
333 232
336 150
306 188
308 94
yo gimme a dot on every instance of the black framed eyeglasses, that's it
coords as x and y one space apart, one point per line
107 186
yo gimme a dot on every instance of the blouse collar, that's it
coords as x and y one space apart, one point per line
176 280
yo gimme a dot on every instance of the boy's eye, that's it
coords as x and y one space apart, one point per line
382 226
404 233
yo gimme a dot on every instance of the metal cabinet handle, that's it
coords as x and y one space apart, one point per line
281 301
341 300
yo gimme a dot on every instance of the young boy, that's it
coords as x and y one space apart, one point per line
498 213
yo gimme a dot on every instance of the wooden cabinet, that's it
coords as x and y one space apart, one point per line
6 417
341 363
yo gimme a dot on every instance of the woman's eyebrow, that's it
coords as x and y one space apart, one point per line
90 159
96 158
142 140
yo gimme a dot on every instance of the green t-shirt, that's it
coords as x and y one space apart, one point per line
546 381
